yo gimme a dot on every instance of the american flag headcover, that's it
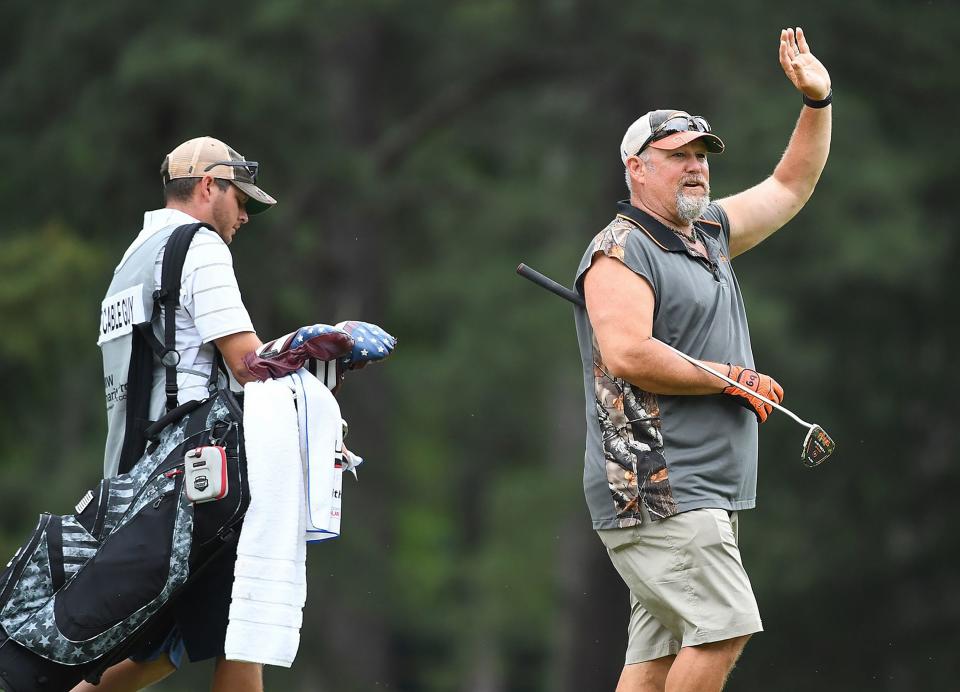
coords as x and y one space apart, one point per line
289 353
370 343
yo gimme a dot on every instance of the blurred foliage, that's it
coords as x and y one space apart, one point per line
420 150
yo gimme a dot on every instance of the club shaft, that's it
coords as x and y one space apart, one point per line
564 292
734 383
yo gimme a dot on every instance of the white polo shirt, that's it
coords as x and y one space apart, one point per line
210 302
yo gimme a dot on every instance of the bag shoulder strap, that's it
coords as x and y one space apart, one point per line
146 345
168 296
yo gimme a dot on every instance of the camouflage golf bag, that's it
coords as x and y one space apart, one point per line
86 588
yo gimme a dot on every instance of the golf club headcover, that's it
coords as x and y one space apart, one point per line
370 343
761 384
289 353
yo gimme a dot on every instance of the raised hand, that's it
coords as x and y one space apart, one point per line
802 68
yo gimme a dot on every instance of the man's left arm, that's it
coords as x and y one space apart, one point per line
759 211
233 348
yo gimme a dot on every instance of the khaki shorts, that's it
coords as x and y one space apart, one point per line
687 582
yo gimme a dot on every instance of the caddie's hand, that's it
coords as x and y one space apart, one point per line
371 343
761 384
289 353
801 67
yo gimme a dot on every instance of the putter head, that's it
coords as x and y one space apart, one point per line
817 446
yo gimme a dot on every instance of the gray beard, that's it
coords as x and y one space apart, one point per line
690 208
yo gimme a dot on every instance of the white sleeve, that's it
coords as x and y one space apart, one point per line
209 291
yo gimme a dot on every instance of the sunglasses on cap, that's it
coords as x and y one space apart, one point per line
679 122
249 169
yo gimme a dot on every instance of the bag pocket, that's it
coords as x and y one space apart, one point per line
214 522
130 569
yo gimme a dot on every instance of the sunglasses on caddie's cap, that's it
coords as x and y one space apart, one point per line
667 129
208 156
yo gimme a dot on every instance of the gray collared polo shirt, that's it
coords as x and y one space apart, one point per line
669 453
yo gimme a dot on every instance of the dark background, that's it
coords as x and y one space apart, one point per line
419 151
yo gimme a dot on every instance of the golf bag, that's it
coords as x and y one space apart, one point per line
88 588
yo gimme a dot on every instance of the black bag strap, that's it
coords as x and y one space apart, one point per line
146 344
152 432
139 384
168 296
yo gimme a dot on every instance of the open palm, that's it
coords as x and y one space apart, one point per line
801 66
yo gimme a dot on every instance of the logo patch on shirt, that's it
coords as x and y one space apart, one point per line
119 312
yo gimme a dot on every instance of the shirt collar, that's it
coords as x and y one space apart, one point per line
154 221
662 235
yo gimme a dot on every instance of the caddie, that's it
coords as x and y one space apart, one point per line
671 451
205 181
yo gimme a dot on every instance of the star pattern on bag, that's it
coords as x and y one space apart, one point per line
39 631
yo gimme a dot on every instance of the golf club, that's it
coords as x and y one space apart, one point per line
817 445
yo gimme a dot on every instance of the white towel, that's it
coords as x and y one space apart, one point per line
270 588
294 469
321 447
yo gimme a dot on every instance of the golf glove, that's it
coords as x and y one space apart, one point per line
761 384
370 343
289 353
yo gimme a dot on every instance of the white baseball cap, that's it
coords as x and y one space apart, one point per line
667 129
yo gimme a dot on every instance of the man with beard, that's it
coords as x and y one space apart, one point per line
670 456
